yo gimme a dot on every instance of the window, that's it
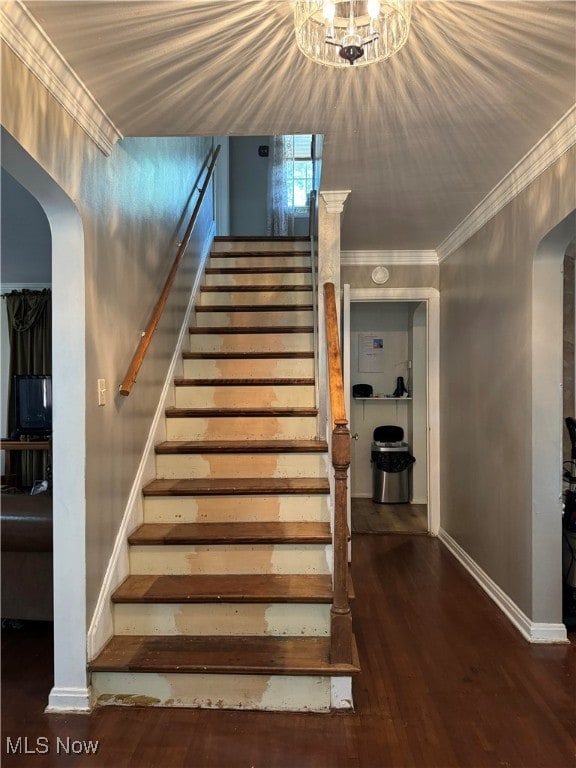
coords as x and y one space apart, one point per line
303 173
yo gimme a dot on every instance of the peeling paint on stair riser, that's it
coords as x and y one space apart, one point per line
252 342
249 619
222 397
127 700
240 509
259 278
245 396
242 428
253 692
226 559
240 298
261 262
239 319
261 465
266 246
252 368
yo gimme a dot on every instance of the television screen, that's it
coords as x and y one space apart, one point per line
33 405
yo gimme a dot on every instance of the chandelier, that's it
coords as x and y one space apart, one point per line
338 33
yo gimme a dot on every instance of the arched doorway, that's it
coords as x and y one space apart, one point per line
547 431
70 691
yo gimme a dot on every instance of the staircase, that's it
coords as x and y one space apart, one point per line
228 599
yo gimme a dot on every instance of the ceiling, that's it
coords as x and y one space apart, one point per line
419 140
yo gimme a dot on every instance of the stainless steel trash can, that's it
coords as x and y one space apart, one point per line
391 467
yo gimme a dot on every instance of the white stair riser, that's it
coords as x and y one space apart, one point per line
242 428
251 342
251 368
266 619
211 559
239 246
259 278
287 693
240 396
257 465
245 319
239 298
236 509
260 261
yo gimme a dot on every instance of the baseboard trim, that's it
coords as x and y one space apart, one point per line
534 632
341 693
102 625
73 700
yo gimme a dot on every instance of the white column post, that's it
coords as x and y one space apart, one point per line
329 212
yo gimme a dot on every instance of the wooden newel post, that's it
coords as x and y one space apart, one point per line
340 615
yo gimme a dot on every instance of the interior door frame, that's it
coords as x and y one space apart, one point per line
431 298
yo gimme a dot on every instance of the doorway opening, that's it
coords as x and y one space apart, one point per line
390 334
70 689
270 179
547 431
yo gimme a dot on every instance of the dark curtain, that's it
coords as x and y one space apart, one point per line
30 333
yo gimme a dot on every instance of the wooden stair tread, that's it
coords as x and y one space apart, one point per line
232 533
198 330
227 413
247 486
215 655
255 308
257 270
226 588
247 355
181 382
241 446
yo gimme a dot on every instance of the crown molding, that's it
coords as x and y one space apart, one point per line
387 258
22 33
334 199
559 139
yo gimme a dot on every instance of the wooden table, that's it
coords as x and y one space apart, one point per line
18 445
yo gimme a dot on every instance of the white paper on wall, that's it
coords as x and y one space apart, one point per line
370 353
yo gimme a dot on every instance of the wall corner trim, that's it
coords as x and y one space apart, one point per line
22 33
559 139
534 632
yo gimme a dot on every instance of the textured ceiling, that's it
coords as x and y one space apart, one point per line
419 139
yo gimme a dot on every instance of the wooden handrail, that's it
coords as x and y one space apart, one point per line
138 358
341 651
312 232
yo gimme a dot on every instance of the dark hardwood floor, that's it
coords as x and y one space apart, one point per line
446 682
370 517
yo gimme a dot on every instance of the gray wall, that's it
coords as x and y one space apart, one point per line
248 185
249 188
486 374
401 276
26 243
131 207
